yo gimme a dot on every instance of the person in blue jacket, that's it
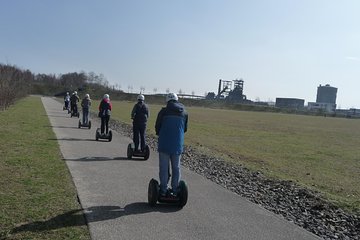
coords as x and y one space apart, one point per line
139 115
170 126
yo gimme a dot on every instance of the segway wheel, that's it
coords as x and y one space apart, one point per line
97 135
129 151
110 136
153 192
89 124
147 152
183 194
79 124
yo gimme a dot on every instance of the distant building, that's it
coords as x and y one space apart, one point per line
353 113
325 99
293 103
326 94
326 107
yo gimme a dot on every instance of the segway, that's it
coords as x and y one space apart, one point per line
88 125
103 136
132 153
75 112
154 194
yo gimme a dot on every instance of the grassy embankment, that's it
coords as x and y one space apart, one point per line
37 195
317 152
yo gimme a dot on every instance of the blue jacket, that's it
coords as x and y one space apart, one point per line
171 124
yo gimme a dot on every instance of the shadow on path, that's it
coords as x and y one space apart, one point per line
94 159
92 214
71 139
57 116
71 127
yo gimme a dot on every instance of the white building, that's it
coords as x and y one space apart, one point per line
326 107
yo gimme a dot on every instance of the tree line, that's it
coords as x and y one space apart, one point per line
16 83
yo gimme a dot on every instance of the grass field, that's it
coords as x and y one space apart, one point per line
318 152
37 196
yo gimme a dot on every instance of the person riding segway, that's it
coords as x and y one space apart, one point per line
85 104
105 108
74 99
67 102
139 115
171 124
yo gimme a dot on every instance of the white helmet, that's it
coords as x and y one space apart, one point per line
106 96
67 93
87 95
171 96
140 97
75 92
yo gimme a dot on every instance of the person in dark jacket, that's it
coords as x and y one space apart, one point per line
139 115
170 126
74 99
105 112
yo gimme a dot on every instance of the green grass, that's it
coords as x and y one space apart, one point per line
317 152
37 195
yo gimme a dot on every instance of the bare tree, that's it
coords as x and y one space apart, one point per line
168 90
15 83
155 90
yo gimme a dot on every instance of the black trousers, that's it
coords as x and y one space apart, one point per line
139 131
105 124
74 107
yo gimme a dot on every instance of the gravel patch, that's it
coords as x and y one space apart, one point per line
299 205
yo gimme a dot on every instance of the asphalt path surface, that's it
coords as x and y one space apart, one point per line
113 193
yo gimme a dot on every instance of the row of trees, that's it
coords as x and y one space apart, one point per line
16 83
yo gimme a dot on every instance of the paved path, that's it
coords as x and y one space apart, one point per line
113 192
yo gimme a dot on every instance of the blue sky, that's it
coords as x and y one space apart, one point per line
280 48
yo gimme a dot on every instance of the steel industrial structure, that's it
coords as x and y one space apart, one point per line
231 90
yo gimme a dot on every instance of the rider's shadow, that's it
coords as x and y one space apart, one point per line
102 159
93 214
101 213
72 139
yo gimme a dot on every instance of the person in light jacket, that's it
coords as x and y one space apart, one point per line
105 112
85 104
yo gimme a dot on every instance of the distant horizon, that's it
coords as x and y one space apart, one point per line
195 95
189 94
279 48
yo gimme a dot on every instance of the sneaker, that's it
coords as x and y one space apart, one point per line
173 193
